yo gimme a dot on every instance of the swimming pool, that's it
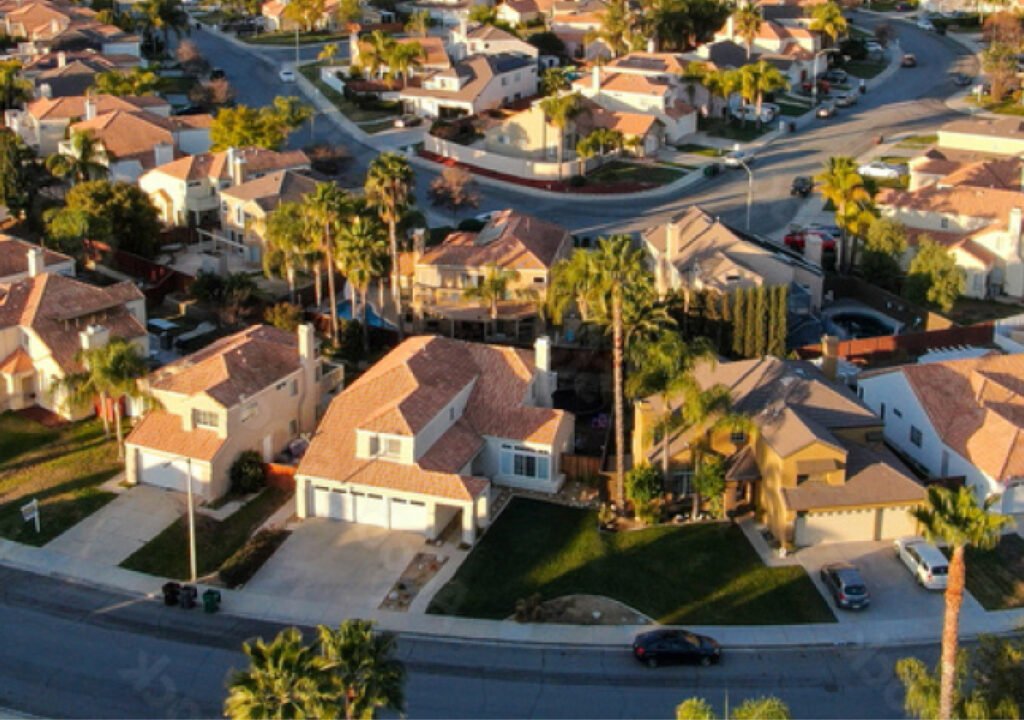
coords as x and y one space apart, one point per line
372 318
852 325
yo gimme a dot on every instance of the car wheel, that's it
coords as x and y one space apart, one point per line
652 662
705 661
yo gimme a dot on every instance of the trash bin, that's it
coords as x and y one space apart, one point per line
188 596
172 591
211 601
711 170
792 127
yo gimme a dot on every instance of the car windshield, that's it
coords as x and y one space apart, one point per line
940 570
855 590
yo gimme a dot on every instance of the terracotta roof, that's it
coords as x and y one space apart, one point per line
490 32
126 135
161 431
14 256
214 165
1010 127
271 190
957 241
1000 174
630 83
628 123
73 106
17 362
963 201
644 62
511 240
234 367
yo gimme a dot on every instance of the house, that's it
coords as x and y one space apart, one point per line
484 39
187 191
20 259
518 12
259 389
812 466
46 318
774 36
644 94
44 122
133 142
420 439
433 55
64 74
997 136
472 85
694 250
51 27
512 241
575 22
957 418
244 208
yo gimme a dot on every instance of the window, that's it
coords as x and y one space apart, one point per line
897 412
682 480
204 418
525 462
737 437
944 223
280 385
451 413
392 447
293 427
801 479
915 436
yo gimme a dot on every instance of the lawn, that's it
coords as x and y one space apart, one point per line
288 38
918 141
695 149
701 574
1008 106
793 109
968 311
996 577
177 85
616 172
376 119
864 69
62 467
166 555
734 131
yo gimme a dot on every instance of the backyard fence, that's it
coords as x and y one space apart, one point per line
578 467
504 164
871 351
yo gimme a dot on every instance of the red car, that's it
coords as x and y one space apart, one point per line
797 240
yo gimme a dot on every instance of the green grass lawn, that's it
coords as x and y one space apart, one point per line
288 38
702 574
695 149
381 119
735 131
918 141
793 109
968 311
61 467
166 555
615 172
176 85
1007 106
996 577
864 68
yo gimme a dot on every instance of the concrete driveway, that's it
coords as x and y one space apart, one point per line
894 594
122 526
341 564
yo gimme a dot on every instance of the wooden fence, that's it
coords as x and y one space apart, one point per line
576 467
904 347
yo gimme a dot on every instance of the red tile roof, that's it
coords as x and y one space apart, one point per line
163 432
511 240
14 256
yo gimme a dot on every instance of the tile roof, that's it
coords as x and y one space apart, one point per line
1000 174
645 62
133 135
73 106
511 240
1008 127
490 32
161 431
477 71
630 83
962 201
214 165
14 256
17 362
271 190
232 368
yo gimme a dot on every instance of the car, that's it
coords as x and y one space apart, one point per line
287 76
909 60
925 24
925 562
962 80
873 47
881 170
217 74
666 647
831 231
848 589
802 185
749 112
190 110
408 120
847 99
904 7
835 75
738 158
798 238
825 110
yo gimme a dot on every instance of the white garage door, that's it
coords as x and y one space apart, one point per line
331 503
370 509
408 515
1013 499
897 522
160 471
827 527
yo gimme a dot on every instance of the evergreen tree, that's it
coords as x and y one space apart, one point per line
777 346
738 324
750 323
760 322
725 334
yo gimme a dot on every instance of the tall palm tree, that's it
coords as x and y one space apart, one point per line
493 288
760 78
574 281
559 110
828 19
286 245
362 257
844 188
403 58
389 186
363 664
285 679
83 163
418 24
374 52
125 367
747 21
617 27
958 520
326 208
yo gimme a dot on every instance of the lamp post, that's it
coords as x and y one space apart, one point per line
296 47
191 518
750 189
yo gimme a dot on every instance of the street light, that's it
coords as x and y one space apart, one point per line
191 517
296 47
750 189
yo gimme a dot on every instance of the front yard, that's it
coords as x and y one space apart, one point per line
865 69
370 119
617 172
740 132
996 577
700 574
61 466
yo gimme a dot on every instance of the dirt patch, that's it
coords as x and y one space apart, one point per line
579 610
418 573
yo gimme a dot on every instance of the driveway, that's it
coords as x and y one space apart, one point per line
342 564
122 526
894 594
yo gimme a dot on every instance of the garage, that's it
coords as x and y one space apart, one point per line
408 515
331 503
162 471
839 526
369 509
897 522
1013 499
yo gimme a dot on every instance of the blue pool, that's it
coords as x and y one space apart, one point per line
372 318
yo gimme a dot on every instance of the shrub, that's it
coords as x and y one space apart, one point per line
249 558
605 515
246 473
643 484
577 181
649 513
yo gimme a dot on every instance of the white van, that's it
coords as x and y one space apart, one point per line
926 563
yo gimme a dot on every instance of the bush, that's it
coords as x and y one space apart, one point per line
249 558
577 181
649 513
643 484
437 235
247 475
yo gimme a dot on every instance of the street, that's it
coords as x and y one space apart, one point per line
73 651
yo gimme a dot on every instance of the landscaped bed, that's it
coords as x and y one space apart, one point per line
166 555
705 574
617 172
996 577
62 467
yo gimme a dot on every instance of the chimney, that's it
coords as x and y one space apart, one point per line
62 59
830 356
94 336
235 162
353 48
36 261
307 343
90 108
652 45
463 27
45 91
730 28
544 381
163 153
309 362
542 353
595 79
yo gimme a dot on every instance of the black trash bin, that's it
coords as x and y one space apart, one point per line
188 596
211 601
172 591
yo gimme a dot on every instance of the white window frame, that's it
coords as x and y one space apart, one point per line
514 459
201 418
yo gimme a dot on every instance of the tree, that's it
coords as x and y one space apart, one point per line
267 127
212 94
284 316
84 161
348 13
840 184
828 19
138 81
999 62
885 245
750 322
362 257
327 53
454 189
643 484
14 89
934 277
374 52
305 13
709 483
67 229
739 313
418 23
326 208
762 708
760 78
167 16
555 80
617 27
403 58
695 709
747 21
21 175
389 185
959 521
285 679
363 664
120 214
287 245
492 288
547 43
559 110
191 59
1003 28
483 14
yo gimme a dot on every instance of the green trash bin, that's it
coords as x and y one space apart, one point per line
711 170
211 601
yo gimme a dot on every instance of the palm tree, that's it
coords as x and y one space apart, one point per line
958 520
616 27
362 662
326 207
403 58
327 53
828 19
760 78
596 143
573 284
287 246
14 89
418 23
747 21
167 16
83 163
285 679
559 110
492 289
374 52
362 257
844 188
389 185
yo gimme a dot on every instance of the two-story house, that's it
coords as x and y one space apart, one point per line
244 208
640 93
63 74
187 190
20 259
575 23
46 319
466 40
417 441
472 85
514 242
957 419
812 466
258 389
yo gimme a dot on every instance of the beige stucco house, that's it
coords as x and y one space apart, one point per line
20 259
644 94
244 208
472 85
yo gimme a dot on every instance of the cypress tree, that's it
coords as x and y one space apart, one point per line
725 325
780 321
760 324
738 324
750 322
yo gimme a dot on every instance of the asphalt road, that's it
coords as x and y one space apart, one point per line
71 651
911 100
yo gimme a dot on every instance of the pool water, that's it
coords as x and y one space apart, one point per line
860 325
372 318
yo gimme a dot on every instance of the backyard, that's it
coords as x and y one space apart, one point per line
969 311
996 577
61 466
703 574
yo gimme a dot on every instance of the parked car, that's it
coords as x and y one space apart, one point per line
881 170
802 186
873 46
665 647
831 231
287 76
738 158
797 239
849 591
925 562
847 99
909 60
749 112
925 24
408 120
836 75
825 110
